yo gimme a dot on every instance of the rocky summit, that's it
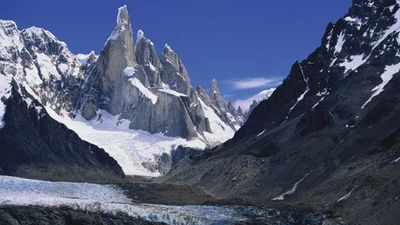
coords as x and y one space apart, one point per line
153 92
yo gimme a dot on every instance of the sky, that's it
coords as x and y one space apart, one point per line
246 45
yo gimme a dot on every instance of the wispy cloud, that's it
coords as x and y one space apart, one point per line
245 103
253 82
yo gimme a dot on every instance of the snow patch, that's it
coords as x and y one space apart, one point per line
151 66
301 97
129 71
292 190
353 63
322 96
140 35
172 92
390 71
166 46
262 132
346 196
339 43
354 21
146 92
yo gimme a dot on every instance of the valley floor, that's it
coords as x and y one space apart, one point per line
40 202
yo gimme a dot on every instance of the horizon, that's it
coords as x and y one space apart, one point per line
241 78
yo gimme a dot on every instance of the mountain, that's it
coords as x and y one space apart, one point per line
134 104
133 82
329 136
33 144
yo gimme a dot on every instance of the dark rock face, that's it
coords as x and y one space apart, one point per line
333 119
34 215
34 145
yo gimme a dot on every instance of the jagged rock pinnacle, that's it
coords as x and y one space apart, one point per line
214 87
140 35
123 16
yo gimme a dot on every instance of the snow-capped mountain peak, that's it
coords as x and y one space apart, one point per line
127 90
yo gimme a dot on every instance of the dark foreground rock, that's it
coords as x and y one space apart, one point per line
36 215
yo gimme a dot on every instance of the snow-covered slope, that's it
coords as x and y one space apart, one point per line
132 149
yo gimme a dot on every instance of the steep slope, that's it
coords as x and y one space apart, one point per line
36 146
328 136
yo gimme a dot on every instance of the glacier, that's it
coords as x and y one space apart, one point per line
111 199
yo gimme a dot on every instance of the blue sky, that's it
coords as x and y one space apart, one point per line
233 41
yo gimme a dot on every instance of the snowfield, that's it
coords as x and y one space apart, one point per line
111 199
131 148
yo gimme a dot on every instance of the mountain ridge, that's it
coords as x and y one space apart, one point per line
318 136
